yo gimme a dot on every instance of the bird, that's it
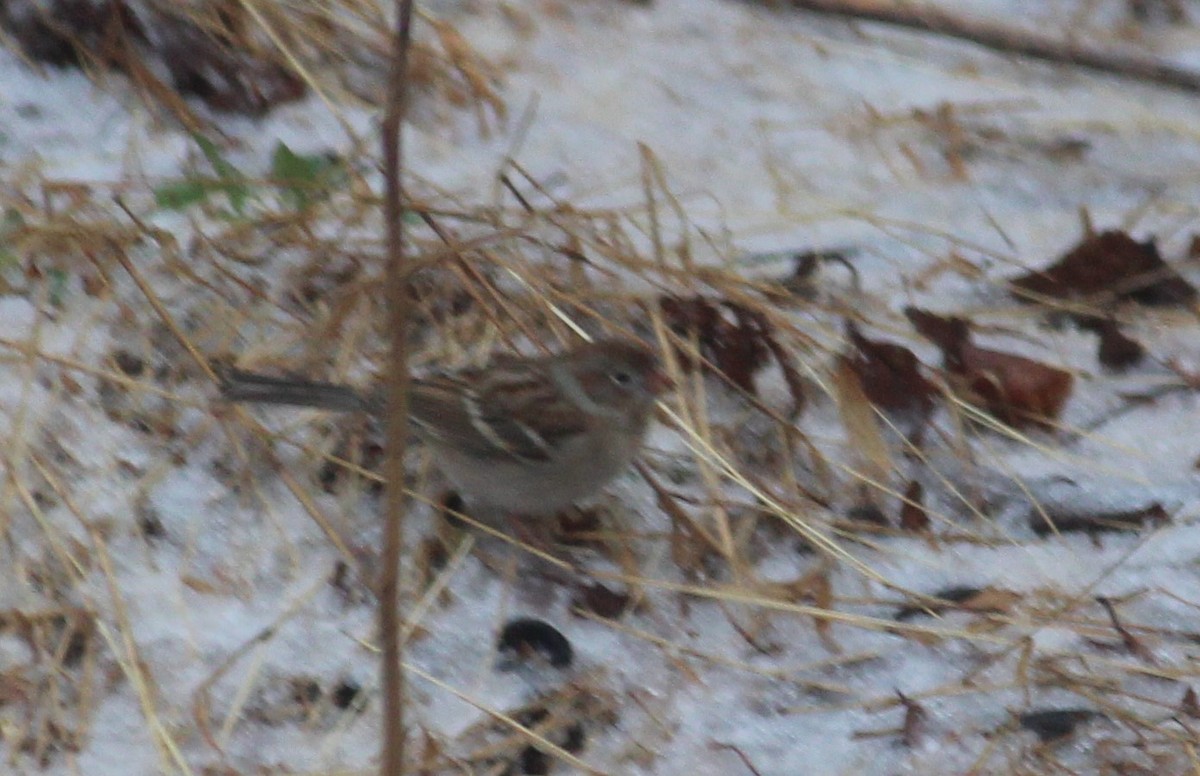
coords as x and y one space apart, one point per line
525 435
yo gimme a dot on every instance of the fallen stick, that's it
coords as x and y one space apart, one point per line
1007 39
399 311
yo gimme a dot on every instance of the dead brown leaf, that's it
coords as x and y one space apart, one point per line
736 340
1110 265
1095 522
916 721
1016 390
1116 351
912 512
601 600
1053 724
890 375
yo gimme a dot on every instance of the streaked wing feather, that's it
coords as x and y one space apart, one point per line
478 413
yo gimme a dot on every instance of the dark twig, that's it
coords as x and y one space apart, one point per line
399 304
1009 40
741 756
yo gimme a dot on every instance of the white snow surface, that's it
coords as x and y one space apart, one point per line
779 132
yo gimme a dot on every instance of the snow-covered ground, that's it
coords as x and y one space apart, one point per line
225 641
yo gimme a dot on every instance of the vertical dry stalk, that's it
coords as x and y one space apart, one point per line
397 399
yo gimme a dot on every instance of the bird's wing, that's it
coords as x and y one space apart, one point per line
496 414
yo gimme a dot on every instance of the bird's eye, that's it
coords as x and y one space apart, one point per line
621 378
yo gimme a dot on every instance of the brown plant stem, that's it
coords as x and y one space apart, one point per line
398 307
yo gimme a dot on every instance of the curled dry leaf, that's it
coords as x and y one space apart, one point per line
1044 522
802 281
1110 265
867 513
912 510
916 721
890 375
1052 724
736 340
980 600
949 333
601 600
1117 350
1105 268
734 346
1016 390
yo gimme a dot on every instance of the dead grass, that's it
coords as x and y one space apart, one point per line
298 288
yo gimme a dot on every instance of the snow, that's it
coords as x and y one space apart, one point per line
778 132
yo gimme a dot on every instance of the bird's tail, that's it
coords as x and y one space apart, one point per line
248 387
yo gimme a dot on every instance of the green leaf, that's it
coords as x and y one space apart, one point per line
58 286
221 167
232 182
305 178
181 194
287 166
11 221
238 193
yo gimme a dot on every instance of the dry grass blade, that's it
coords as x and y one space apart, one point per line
739 595
705 449
534 737
122 643
858 416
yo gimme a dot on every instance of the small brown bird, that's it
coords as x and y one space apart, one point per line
525 435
